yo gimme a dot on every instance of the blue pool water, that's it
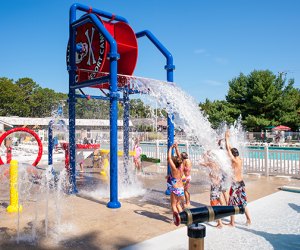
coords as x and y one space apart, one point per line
277 153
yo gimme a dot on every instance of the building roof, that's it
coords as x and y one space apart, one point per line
30 121
6 124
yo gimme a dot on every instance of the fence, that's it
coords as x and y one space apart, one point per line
158 149
264 160
268 161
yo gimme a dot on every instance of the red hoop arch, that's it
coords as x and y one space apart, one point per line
29 131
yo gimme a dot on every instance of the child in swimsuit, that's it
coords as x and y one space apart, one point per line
175 183
137 157
237 190
215 187
186 179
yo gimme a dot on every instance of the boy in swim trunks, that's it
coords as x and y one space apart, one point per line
237 193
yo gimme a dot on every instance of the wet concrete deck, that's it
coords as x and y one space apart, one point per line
84 222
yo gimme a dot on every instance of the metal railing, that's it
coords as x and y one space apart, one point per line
270 161
264 160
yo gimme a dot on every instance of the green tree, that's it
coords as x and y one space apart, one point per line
10 102
264 99
44 101
92 109
219 112
27 89
26 98
138 109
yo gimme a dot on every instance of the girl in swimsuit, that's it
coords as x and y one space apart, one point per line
186 179
175 184
137 158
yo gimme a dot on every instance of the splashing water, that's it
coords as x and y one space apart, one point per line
187 116
58 124
42 189
185 110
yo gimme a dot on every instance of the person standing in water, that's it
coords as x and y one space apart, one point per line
175 184
137 157
237 193
224 178
186 179
215 175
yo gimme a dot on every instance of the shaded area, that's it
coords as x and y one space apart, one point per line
85 241
278 241
198 204
90 198
151 197
152 215
25 240
296 208
88 241
4 204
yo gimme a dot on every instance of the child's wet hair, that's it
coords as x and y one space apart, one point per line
184 155
177 161
235 152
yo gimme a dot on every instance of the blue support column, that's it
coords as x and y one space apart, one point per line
126 106
72 141
170 68
72 103
114 96
50 143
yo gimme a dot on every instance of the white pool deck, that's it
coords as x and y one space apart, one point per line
275 225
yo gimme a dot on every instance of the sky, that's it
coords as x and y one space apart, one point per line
212 42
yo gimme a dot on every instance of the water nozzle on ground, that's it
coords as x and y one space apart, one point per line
205 214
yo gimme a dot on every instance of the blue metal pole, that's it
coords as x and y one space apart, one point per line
170 117
170 69
72 103
50 143
114 96
126 105
78 6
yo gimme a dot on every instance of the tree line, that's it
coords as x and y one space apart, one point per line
262 99
25 98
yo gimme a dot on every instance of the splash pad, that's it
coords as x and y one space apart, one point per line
114 86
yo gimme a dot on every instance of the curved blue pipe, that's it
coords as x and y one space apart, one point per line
161 48
78 6
169 68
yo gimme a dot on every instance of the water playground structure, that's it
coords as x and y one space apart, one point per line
102 51
102 54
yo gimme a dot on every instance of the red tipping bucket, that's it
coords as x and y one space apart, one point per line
93 60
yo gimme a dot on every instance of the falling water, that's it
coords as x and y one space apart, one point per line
186 115
18 217
183 107
47 183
